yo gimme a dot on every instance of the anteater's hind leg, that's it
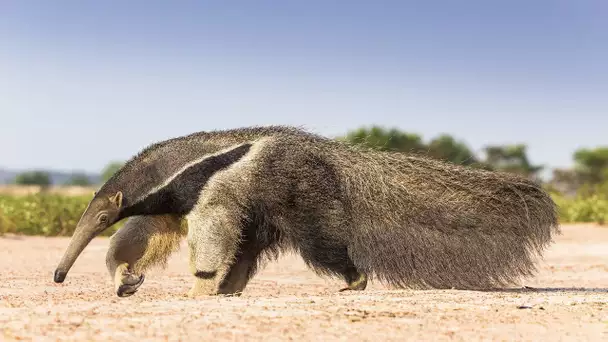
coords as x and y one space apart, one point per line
330 257
356 281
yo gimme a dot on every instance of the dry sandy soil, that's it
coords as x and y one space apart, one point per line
287 302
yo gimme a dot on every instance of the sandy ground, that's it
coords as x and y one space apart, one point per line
288 302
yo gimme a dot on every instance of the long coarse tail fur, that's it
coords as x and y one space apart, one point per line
425 223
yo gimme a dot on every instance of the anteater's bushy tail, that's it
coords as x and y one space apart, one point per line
423 223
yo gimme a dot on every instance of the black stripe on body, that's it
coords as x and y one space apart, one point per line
181 194
205 275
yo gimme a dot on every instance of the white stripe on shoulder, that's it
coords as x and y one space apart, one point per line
186 167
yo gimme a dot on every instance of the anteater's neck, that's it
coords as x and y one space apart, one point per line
174 192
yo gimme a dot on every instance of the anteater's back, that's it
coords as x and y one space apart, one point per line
419 222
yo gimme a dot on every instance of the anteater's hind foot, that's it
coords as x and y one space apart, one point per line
357 283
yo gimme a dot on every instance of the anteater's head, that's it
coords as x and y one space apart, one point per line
103 211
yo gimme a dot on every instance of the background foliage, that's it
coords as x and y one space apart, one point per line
79 179
37 177
43 214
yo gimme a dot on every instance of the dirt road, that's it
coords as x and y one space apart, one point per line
287 302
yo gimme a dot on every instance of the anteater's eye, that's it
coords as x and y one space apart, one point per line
103 218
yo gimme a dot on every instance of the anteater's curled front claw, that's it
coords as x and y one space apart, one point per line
129 284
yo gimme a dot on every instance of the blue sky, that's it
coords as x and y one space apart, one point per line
83 82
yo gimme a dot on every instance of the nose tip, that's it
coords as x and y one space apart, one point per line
59 276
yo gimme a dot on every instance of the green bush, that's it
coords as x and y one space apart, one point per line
583 209
43 214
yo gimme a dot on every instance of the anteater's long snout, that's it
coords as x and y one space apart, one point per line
79 241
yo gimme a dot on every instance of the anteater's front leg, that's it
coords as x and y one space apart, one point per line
246 264
214 233
143 242
239 275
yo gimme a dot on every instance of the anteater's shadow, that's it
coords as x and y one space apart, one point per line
528 289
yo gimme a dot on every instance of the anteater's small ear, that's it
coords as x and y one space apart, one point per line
117 199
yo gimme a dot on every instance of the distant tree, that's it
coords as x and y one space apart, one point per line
445 147
385 139
565 181
508 158
78 179
110 170
591 165
511 158
41 178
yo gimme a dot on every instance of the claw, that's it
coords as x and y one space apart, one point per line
129 285
358 284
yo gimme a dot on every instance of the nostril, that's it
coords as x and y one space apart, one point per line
59 276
